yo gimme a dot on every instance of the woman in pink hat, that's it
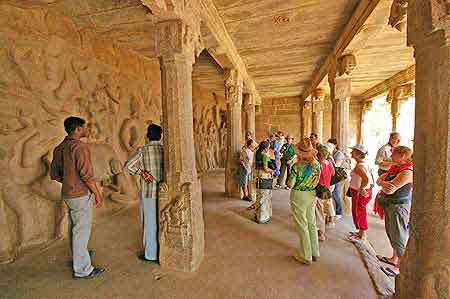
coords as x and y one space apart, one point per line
360 190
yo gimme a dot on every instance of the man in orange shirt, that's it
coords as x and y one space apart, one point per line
72 167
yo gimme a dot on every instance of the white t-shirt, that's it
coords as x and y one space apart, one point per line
384 155
247 156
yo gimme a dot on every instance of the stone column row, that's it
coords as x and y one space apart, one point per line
339 79
396 98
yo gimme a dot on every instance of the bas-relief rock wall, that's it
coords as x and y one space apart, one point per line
278 114
50 69
210 131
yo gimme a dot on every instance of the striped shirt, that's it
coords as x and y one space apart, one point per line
151 159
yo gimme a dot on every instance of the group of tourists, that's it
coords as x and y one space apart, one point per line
321 179
72 166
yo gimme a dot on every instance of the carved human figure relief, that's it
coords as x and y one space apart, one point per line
174 219
121 185
130 131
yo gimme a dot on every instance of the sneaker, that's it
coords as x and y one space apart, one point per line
144 259
97 271
287 188
277 186
337 217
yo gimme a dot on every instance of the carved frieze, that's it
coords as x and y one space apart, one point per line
46 76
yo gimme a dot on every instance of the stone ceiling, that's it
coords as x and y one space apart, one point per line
282 42
380 50
383 55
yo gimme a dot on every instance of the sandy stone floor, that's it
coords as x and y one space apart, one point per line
242 260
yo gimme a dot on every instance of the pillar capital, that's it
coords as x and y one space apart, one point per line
342 89
179 36
398 15
401 92
366 106
234 85
346 64
318 95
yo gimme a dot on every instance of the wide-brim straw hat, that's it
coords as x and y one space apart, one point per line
307 152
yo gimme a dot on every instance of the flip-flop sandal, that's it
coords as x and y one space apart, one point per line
384 259
252 207
351 238
353 233
389 272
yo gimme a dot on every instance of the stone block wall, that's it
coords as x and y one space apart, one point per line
51 69
278 114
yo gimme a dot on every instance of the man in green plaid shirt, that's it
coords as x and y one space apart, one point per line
148 162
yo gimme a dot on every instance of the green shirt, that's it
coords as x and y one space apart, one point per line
304 176
266 160
288 151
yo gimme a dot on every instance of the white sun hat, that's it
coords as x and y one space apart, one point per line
361 148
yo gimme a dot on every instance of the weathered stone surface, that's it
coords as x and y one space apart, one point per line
425 268
233 99
181 215
51 69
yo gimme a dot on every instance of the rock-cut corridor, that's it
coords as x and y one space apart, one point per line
242 260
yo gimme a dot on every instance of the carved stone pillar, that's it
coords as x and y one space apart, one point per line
426 266
364 108
395 98
307 114
317 98
302 118
249 109
233 98
340 93
180 198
